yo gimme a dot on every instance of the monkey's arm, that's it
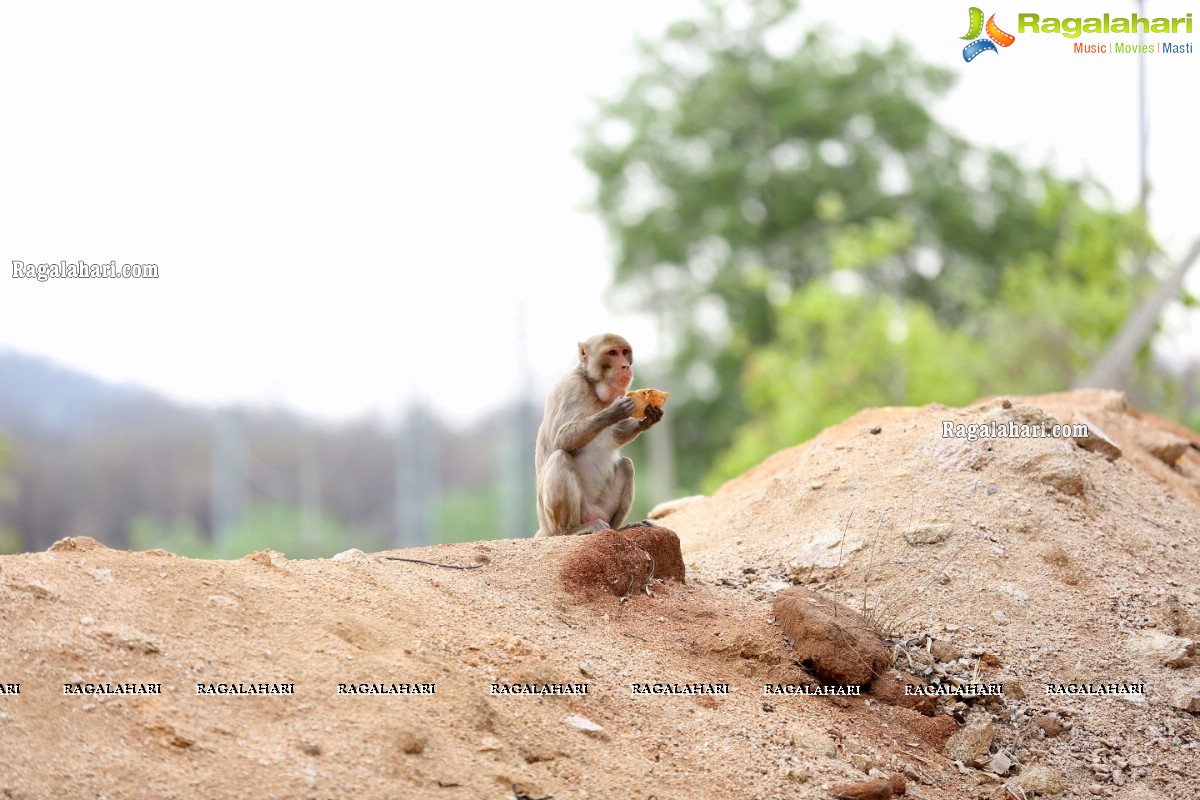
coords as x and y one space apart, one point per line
627 430
575 435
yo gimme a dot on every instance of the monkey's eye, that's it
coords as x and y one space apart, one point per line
612 352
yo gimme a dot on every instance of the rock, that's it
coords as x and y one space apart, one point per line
76 543
1187 698
899 785
1049 725
971 744
1036 779
929 533
826 549
102 575
1013 690
944 651
834 642
1162 648
862 762
1096 440
1166 447
353 554
584 724
1013 592
1059 472
878 789
814 743
410 742
671 506
890 689
268 558
999 763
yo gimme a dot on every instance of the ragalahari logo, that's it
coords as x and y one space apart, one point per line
995 36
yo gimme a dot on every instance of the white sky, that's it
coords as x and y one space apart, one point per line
349 203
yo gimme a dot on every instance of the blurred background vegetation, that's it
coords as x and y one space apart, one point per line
811 241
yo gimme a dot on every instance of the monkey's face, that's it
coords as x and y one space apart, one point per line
618 367
608 359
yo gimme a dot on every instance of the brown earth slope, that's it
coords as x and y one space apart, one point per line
1028 561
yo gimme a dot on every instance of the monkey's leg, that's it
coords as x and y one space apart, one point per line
559 496
622 492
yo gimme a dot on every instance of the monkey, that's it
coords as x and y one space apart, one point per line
584 484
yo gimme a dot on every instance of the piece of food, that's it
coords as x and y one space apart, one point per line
647 397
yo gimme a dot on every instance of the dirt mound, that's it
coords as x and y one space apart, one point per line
621 563
1019 562
1023 560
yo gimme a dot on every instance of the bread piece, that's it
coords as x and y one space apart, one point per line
647 397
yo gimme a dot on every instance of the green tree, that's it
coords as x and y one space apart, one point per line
738 176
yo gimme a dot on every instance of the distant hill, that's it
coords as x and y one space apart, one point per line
36 393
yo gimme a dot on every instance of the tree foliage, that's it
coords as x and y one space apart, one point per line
819 241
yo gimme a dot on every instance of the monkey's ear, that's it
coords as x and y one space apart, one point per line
582 352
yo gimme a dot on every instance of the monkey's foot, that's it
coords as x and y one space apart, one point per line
643 524
594 526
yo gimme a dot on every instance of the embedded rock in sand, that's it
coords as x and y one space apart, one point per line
837 644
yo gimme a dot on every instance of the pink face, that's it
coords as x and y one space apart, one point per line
620 362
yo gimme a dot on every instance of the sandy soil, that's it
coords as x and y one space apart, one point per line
1022 561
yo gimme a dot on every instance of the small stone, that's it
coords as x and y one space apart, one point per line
101 574
999 763
1049 725
583 724
929 533
971 744
1013 592
1161 648
862 762
878 789
944 651
1187 698
814 743
1096 441
1166 447
1036 779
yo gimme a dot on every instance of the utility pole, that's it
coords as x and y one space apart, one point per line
517 499
1143 257
416 482
227 478
310 493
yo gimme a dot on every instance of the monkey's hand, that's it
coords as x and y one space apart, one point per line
622 409
653 415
